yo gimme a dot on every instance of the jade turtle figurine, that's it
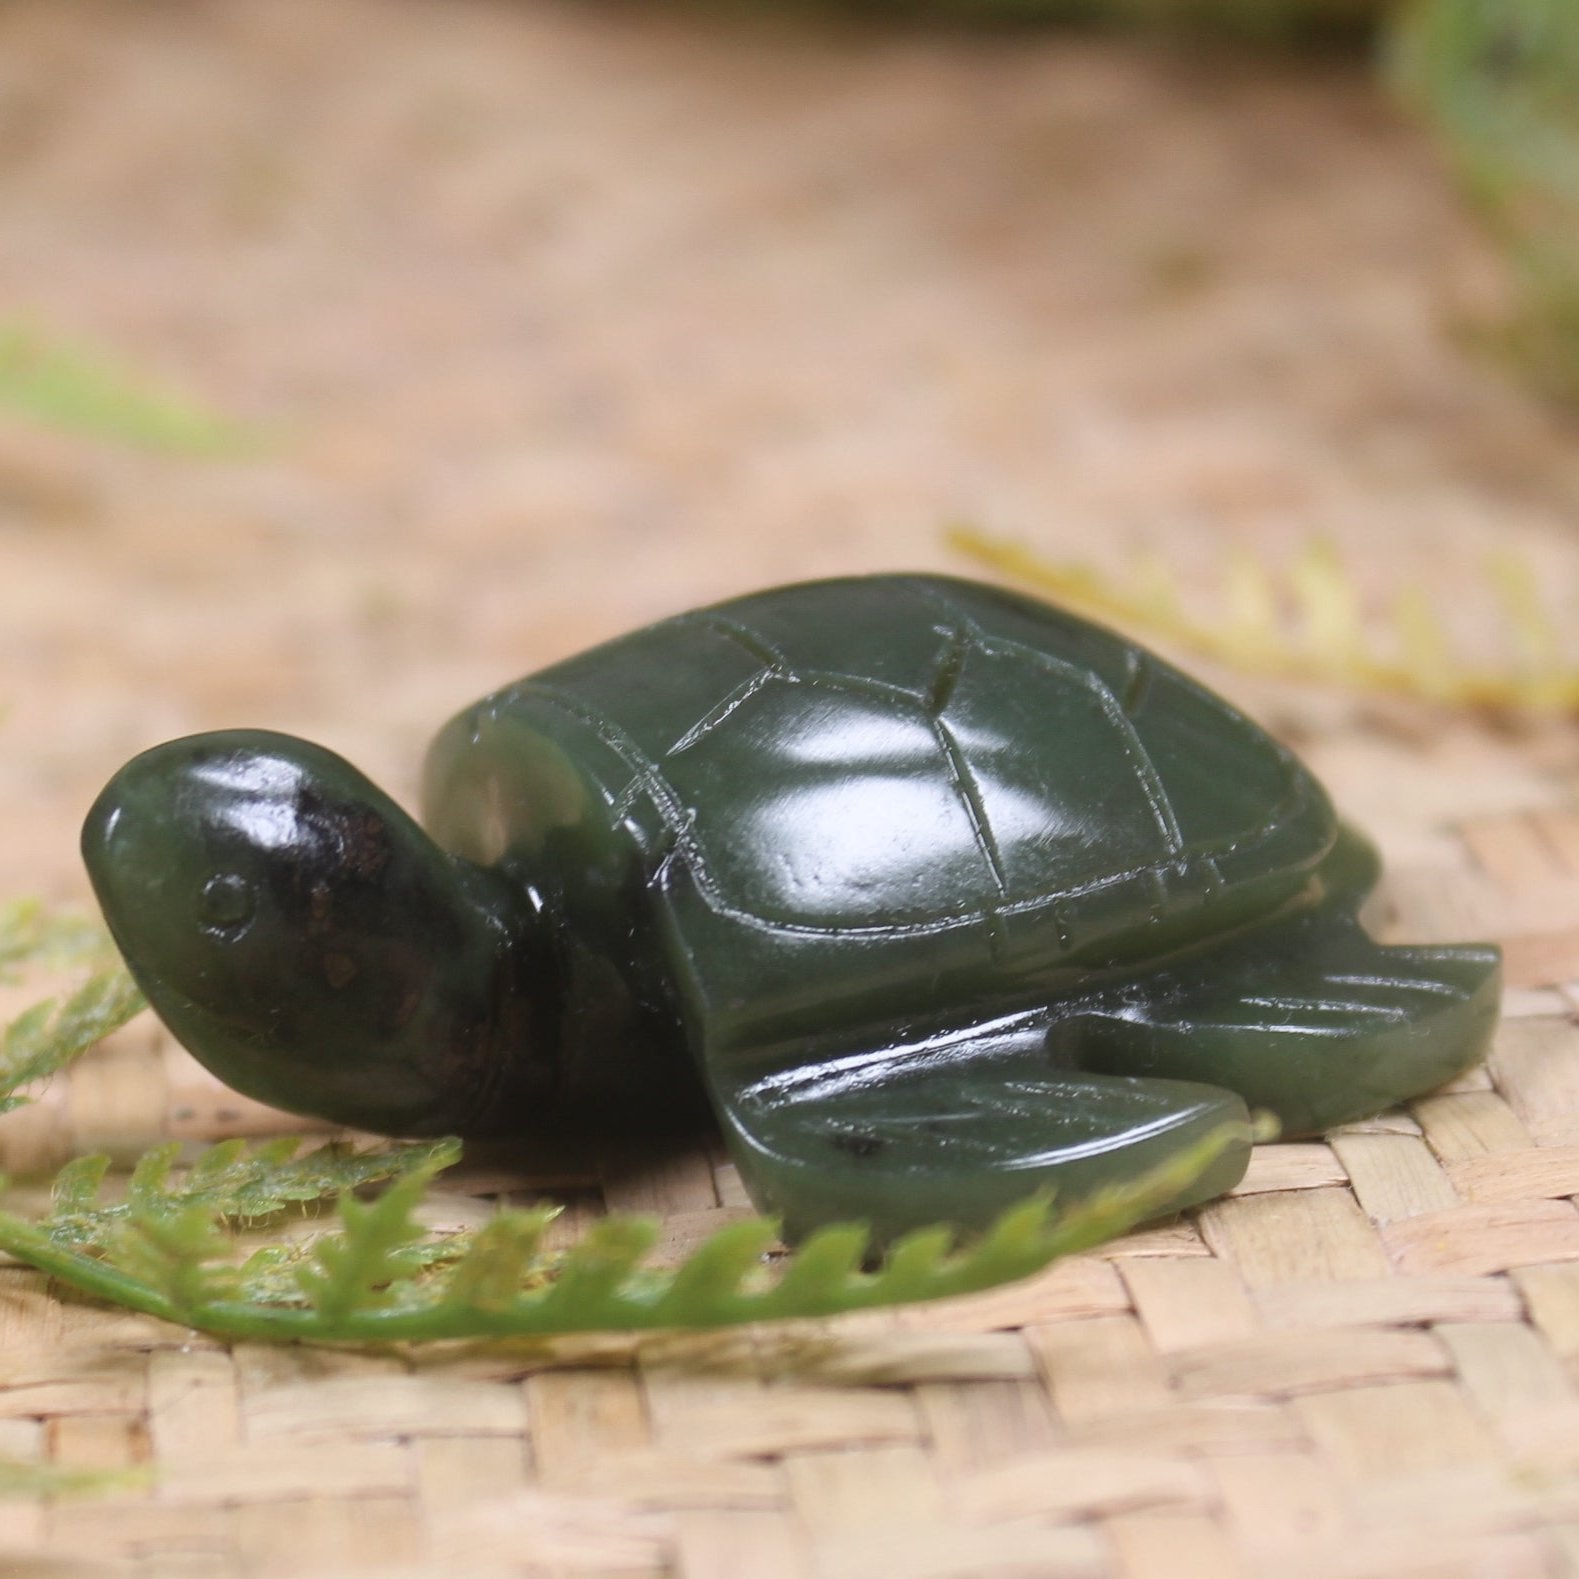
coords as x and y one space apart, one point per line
934 894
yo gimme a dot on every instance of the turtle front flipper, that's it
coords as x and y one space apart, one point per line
1310 1020
958 1128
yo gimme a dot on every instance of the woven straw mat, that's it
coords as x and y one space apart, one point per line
1362 1362
565 316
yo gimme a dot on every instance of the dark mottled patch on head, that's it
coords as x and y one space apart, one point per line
365 850
350 840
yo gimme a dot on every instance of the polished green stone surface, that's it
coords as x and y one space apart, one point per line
931 893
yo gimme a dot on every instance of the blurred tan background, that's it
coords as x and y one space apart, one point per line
546 318
531 319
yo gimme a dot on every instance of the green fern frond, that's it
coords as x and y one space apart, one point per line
31 932
45 1038
1496 82
380 1277
18 1479
1308 625
498 1261
718 1270
365 1264
256 1182
77 1187
67 386
182 1254
245 1184
174 1243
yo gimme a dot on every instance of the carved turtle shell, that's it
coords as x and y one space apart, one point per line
939 895
848 793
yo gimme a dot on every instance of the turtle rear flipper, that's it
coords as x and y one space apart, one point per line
1311 1021
960 1128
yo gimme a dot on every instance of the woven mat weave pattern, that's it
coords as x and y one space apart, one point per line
1359 1363
552 316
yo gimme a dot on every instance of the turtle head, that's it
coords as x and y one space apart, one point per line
304 938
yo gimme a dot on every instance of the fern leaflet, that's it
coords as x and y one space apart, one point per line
175 1241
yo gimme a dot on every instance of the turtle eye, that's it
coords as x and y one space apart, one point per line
226 903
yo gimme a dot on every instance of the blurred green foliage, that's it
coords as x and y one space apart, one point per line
1255 18
1499 82
70 387
1496 80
